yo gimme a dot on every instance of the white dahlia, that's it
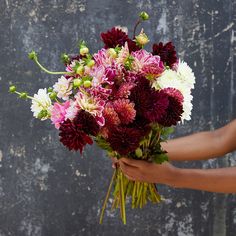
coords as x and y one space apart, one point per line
41 105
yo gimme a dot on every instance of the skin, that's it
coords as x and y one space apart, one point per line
199 146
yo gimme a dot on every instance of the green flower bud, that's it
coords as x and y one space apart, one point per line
112 52
42 114
80 70
87 84
53 95
50 89
12 89
143 15
77 83
65 58
91 63
32 55
138 152
23 95
83 50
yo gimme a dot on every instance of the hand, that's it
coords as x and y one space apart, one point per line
144 171
115 163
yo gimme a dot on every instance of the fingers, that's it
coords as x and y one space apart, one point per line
131 162
130 172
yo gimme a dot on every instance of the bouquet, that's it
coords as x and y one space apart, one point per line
124 98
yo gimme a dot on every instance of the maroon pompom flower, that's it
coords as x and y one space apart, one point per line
149 103
125 110
132 45
124 140
88 123
114 37
73 137
175 107
166 52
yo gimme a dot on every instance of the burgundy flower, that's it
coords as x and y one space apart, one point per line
166 52
110 115
88 123
125 110
114 37
175 107
124 140
149 103
73 137
133 47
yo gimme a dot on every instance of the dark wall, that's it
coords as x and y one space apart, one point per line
46 190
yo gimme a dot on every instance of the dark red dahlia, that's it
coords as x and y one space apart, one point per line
132 46
88 123
124 139
166 52
149 103
73 137
114 37
175 108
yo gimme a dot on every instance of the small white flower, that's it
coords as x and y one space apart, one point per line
41 105
186 74
63 88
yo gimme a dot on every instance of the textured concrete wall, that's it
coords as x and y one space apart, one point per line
47 191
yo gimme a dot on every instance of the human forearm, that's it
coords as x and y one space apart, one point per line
197 146
203 145
222 180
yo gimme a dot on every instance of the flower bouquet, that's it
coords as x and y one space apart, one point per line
124 98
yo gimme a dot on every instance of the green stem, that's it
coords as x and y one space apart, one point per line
107 196
122 198
51 72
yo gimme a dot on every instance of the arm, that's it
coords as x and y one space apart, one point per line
202 145
222 180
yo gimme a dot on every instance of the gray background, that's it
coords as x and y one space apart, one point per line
46 190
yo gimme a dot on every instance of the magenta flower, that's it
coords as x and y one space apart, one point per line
146 63
59 113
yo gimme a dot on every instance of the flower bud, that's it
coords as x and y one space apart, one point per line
83 50
143 15
32 55
53 95
142 39
50 89
23 95
12 89
91 63
77 82
87 84
80 70
112 53
65 58
42 114
138 152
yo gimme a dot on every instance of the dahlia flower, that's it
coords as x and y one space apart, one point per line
166 52
41 103
146 63
91 105
63 88
73 137
58 113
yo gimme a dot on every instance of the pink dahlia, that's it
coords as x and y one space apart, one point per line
166 52
146 63
59 113
92 105
125 110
